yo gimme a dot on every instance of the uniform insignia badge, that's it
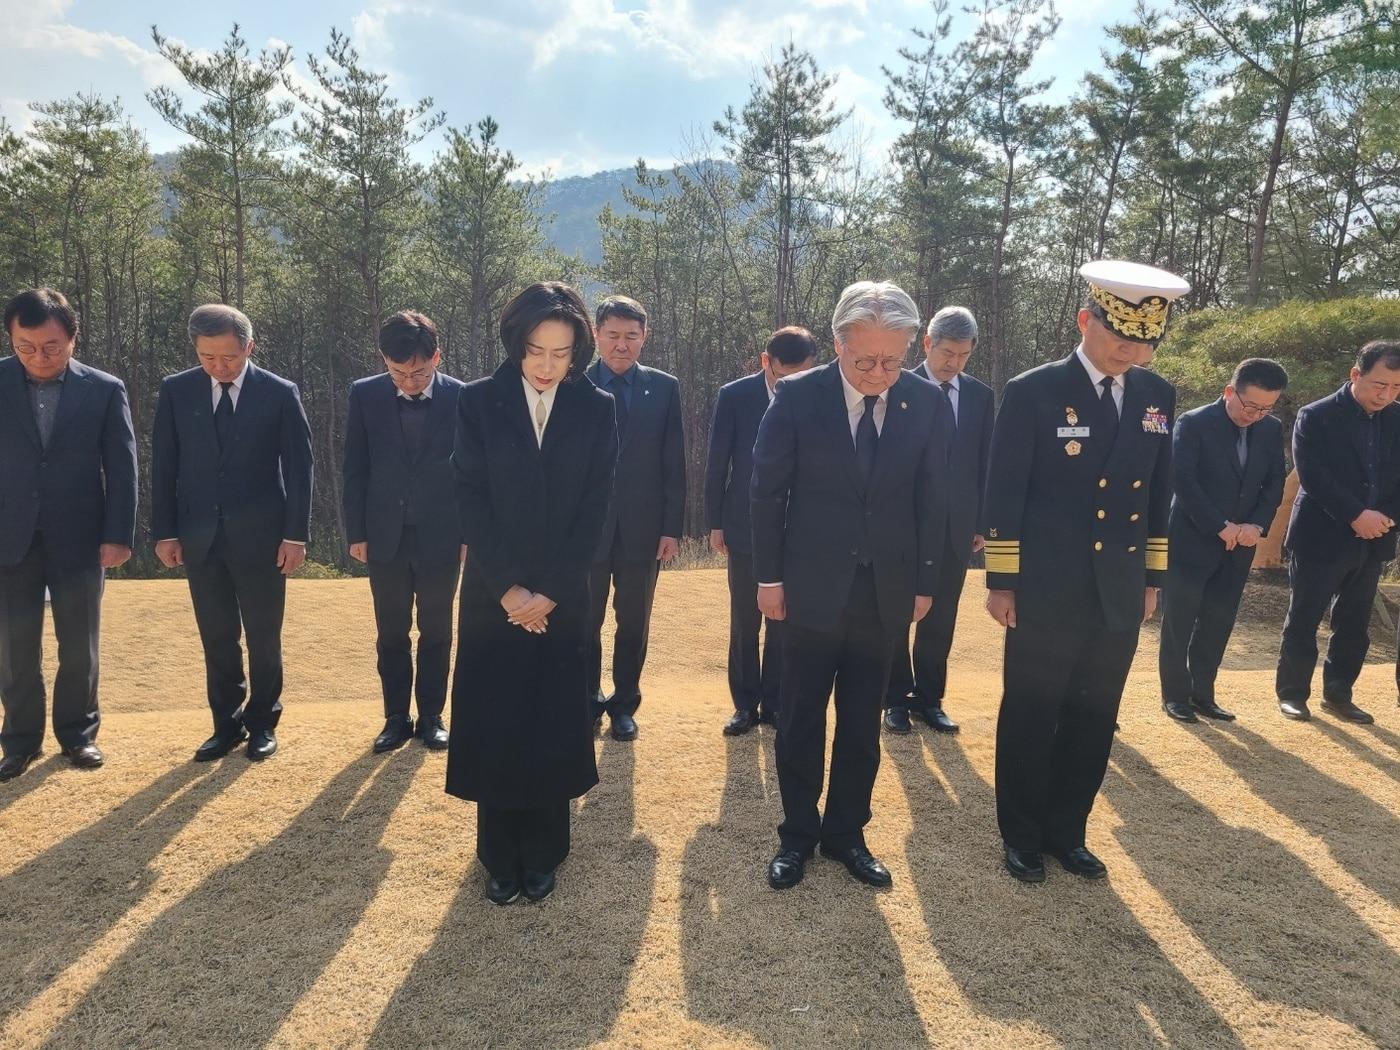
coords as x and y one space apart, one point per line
991 534
1154 421
1073 448
1071 416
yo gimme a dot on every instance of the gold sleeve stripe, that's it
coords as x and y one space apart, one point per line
1156 561
1003 543
1003 563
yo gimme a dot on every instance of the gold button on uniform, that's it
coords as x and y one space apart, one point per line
1098 545
1100 515
1137 484
1133 517
1131 549
1103 483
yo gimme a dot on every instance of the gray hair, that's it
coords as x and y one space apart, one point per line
215 319
953 322
882 303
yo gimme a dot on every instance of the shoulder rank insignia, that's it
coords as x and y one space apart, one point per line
1073 448
1071 416
1154 420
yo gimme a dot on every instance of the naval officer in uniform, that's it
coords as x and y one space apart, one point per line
1078 492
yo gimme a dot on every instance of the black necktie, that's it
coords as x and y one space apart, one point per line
867 439
1108 410
618 386
223 416
948 391
1242 446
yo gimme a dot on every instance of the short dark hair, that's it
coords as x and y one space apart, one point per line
620 306
547 301
34 306
1377 351
1262 372
406 336
791 345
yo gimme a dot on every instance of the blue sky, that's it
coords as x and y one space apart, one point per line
576 85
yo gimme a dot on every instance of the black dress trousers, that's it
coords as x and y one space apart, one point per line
510 842
76 600
1352 579
633 591
1199 605
856 659
925 682
753 683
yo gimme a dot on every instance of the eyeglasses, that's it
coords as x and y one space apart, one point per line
412 377
867 364
1252 409
48 353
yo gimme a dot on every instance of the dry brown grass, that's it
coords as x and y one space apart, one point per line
331 898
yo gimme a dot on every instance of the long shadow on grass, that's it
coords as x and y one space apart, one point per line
225 965
1068 956
1360 833
811 966
14 790
539 975
1253 904
61 903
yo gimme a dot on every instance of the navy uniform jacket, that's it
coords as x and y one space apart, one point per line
1327 451
382 479
1075 529
81 490
1211 489
972 450
729 464
810 515
260 485
649 487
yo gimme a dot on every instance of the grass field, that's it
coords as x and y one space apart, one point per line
331 897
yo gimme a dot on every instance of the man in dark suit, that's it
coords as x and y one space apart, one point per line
647 511
1346 449
1078 494
67 514
728 471
231 501
918 688
401 518
849 517
1227 473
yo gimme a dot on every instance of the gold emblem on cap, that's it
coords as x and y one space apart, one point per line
1145 320
1071 416
1073 448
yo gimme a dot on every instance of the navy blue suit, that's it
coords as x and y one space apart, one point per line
728 470
231 508
399 500
1347 462
648 502
59 502
1204 580
851 551
923 681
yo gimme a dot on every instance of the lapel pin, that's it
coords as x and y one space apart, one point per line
904 404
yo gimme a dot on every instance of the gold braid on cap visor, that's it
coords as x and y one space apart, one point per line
1146 320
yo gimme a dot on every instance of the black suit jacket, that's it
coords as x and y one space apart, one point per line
532 515
81 490
380 477
260 485
1211 489
972 451
649 486
1327 452
729 464
810 512
1078 529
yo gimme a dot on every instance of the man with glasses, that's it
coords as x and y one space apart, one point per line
67 514
401 519
1227 476
849 505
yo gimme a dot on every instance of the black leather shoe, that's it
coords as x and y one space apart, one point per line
433 733
84 756
538 884
262 745
624 726
1347 712
897 720
220 744
1027 865
786 869
397 732
14 765
502 891
740 723
1211 709
1295 709
1079 861
934 716
862 866
1179 710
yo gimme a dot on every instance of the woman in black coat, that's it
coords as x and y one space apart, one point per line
534 454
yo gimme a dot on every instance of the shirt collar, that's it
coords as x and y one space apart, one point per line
606 374
237 383
426 394
1095 376
854 398
532 395
46 382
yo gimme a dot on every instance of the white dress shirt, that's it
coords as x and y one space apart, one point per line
533 399
1096 377
855 405
233 391
426 393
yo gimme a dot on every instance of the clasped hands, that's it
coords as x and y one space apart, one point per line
1245 535
527 610
1372 525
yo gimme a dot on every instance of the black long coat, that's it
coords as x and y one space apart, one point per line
522 732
